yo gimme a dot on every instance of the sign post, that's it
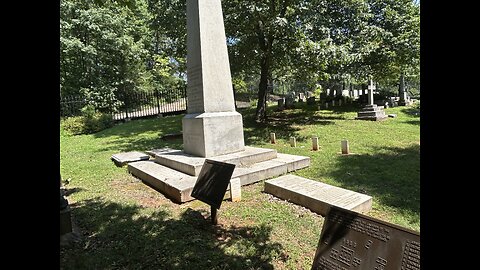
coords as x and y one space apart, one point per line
212 183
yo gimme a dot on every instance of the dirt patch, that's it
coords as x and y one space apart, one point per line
135 189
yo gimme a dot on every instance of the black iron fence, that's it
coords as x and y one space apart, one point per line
133 105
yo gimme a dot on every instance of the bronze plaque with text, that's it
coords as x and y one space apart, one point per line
212 182
350 240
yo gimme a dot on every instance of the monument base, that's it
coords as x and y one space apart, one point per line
404 103
372 113
203 137
176 176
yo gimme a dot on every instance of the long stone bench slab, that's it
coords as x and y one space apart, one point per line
315 195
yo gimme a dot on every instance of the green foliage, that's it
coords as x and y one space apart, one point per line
416 105
331 42
239 85
318 90
102 98
89 122
109 49
74 125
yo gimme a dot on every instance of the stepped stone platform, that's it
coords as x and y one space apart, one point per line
372 112
174 173
317 196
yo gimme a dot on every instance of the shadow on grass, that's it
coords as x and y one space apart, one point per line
118 237
284 124
412 111
413 122
69 191
130 136
347 108
126 136
392 176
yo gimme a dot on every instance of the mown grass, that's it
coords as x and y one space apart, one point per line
127 225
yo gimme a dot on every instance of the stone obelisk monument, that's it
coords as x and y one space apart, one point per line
211 127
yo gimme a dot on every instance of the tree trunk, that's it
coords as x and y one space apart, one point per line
401 87
261 112
234 97
265 41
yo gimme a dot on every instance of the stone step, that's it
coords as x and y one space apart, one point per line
179 160
376 113
173 184
178 185
164 150
121 159
317 196
374 107
372 118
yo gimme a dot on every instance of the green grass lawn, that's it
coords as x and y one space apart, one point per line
127 225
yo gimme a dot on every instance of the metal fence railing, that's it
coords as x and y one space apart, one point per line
133 105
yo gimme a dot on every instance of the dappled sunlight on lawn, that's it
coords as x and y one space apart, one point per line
120 236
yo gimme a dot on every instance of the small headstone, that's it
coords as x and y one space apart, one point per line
392 115
351 241
293 142
333 103
235 190
272 138
345 148
301 97
314 143
326 105
339 102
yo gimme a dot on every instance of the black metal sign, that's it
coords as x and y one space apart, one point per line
350 240
212 182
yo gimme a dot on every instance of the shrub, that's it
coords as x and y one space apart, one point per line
89 122
416 105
